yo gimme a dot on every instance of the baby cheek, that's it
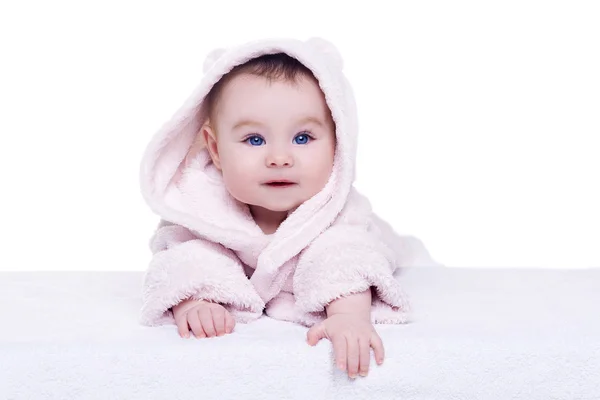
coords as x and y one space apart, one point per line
320 168
237 163
245 167
240 180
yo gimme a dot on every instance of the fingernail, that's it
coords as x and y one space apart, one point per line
364 373
353 376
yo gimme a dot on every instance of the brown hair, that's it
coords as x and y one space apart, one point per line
270 66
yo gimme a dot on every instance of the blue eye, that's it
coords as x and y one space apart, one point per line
302 138
255 140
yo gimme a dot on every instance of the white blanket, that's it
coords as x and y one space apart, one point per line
477 334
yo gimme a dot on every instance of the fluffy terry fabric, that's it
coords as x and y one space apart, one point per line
207 245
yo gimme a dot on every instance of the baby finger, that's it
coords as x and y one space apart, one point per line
339 350
353 356
207 321
182 326
229 322
218 317
365 356
194 321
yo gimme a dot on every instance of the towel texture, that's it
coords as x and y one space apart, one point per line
207 245
517 334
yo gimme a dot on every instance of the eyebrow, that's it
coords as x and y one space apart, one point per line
302 121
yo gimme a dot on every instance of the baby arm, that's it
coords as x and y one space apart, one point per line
348 326
349 273
358 304
186 270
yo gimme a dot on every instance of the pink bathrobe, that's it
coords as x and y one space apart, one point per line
207 246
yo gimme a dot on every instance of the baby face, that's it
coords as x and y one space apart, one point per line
274 141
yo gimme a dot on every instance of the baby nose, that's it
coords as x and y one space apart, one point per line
280 159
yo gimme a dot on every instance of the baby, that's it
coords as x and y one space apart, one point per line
253 181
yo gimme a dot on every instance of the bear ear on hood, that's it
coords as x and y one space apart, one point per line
329 50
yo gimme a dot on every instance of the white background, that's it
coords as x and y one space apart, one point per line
480 121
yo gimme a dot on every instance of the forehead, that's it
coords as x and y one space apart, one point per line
255 96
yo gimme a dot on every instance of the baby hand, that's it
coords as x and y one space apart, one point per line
205 319
352 337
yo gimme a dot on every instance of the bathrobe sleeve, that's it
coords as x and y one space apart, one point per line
350 258
185 266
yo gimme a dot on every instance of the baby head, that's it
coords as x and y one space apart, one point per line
270 133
